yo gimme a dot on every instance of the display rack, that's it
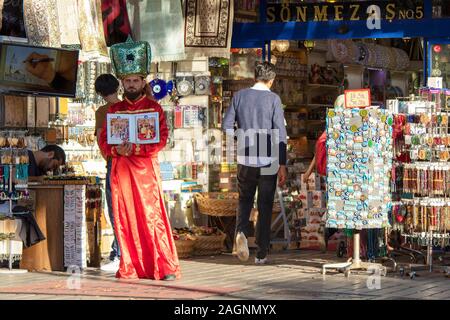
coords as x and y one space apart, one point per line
11 166
426 179
358 163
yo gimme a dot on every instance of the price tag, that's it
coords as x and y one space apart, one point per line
357 98
435 82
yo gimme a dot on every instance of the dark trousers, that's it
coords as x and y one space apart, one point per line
115 249
250 178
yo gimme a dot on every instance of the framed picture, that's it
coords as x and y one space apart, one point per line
135 128
147 128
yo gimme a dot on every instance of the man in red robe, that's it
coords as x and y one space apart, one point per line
141 222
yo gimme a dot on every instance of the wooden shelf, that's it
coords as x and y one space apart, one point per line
316 121
246 13
314 105
321 86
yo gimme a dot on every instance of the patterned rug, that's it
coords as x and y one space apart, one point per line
126 289
208 27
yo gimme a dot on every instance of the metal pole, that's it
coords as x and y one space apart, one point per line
356 253
10 254
430 251
10 214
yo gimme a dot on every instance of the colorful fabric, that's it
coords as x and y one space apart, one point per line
116 24
141 222
161 24
208 27
359 146
131 58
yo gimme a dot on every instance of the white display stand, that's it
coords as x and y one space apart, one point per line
355 263
10 269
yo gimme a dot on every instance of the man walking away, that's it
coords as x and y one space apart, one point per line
261 156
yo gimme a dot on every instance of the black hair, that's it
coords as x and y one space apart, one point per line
265 71
59 152
106 84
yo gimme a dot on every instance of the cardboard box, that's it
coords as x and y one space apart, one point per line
305 197
318 199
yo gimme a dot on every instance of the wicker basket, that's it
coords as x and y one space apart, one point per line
209 245
185 248
217 203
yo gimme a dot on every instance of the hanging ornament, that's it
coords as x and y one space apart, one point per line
273 45
282 45
437 49
159 88
273 59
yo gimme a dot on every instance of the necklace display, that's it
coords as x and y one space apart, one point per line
421 178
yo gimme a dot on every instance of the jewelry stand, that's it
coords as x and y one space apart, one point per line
355 263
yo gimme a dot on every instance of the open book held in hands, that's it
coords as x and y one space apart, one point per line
142 128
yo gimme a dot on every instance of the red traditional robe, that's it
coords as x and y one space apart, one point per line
141 223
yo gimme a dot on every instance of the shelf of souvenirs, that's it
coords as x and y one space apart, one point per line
294 106
427 201
319 105
322 86
360 66
71 179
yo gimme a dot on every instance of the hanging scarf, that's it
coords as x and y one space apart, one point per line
116 24
12 19
41 21
161 24
68 22
91 29
208 27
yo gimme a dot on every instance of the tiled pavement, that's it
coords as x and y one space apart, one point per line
290 275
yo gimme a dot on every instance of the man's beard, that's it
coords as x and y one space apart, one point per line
132 95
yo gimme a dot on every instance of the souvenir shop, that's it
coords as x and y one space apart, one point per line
372 195
320 50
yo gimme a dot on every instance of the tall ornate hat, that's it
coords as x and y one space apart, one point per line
131 58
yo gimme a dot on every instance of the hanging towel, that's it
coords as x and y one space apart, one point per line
208 27
161 24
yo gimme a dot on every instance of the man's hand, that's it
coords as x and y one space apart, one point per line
41 69
124 149
282 176
306 177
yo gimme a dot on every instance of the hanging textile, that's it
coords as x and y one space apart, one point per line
90 29
116 24
208 27
12 19
161 24
68 22
41 22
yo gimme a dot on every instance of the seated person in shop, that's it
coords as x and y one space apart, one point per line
49 158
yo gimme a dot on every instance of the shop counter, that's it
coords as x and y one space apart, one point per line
48 204
69 217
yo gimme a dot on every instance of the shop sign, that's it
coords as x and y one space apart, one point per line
357 98
298 11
